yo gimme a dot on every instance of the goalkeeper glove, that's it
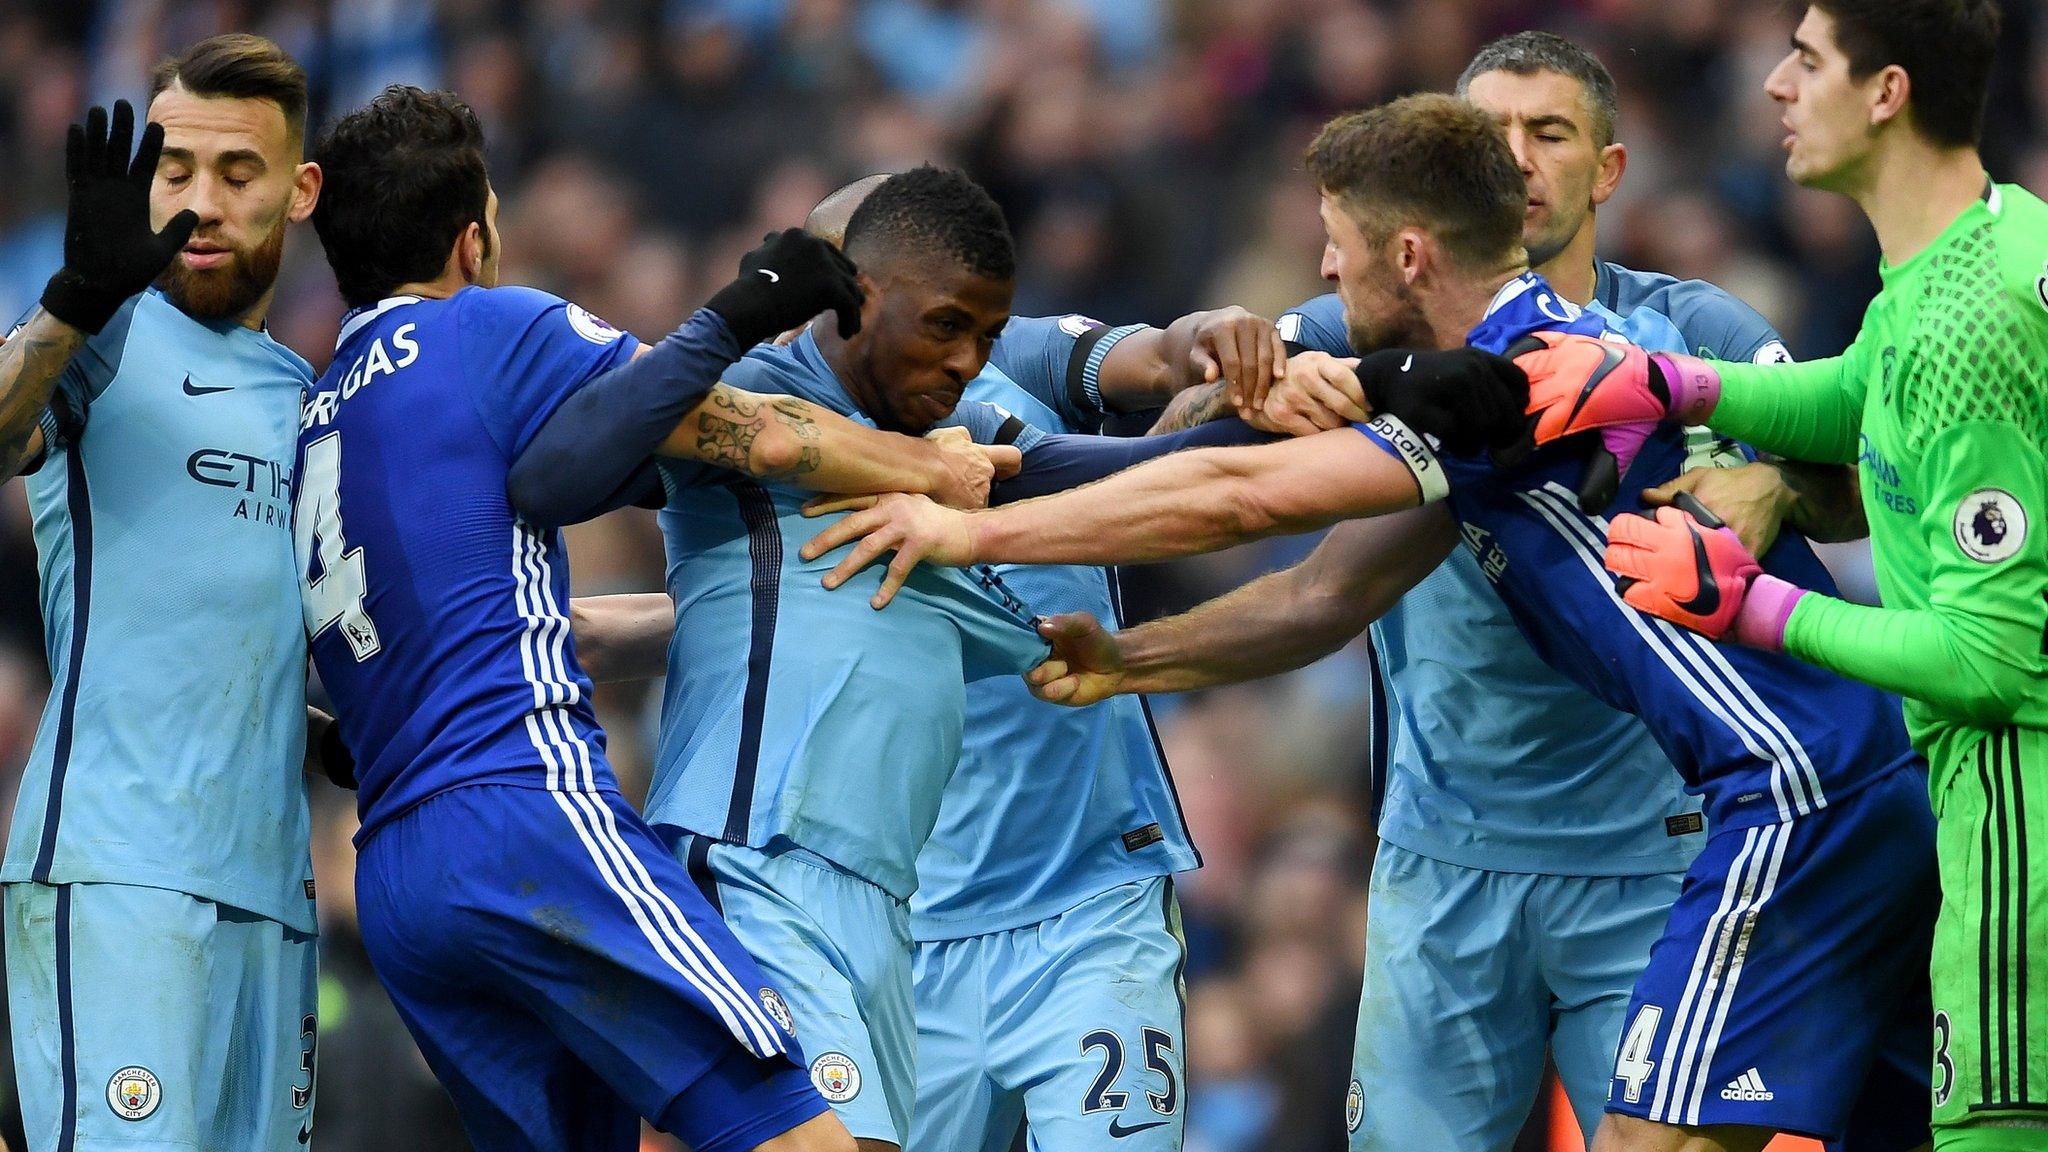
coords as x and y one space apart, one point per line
1582 384
1467 398
110 253
1687 567
790 278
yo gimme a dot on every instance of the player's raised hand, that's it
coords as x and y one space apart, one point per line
790 278
912 527
1468 398
1687 567
1086 664
1316 392
1240 348
110 251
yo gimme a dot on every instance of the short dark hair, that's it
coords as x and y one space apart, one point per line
1947 48
1433 160
238 66
934 211
404 176
1527 53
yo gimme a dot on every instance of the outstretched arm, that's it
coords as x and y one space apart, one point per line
1179 505
590 455
784 438
1277 623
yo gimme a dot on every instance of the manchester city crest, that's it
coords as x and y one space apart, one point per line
133 1093
836 1077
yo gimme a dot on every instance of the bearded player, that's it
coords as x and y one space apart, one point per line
160 959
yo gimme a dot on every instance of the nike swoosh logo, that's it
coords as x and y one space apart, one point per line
1610 359
192 389
1708 599
306 1133
770 274
1117 1131
1408 363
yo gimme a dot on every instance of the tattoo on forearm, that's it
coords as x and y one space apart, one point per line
1194 406
795 415
30 364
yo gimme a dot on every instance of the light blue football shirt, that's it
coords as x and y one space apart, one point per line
171 753
794 716
1050 805
1492 759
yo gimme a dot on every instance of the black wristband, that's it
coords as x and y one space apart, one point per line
335 759
70 299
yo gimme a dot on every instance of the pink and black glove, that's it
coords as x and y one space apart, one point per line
1583 384
1687 567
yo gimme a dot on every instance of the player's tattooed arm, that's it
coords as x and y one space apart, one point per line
1197 405
30 363
726 429
784 438
1315 392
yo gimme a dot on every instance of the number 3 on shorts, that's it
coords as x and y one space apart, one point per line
1944 1068
1632 1065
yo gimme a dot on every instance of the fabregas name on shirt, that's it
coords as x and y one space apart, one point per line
376 361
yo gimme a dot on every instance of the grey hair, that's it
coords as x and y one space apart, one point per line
1527 53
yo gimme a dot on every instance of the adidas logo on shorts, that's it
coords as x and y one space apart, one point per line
1748 1086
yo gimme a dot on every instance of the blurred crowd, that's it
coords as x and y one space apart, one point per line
1146 152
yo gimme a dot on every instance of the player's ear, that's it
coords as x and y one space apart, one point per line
306 185
1413 249
469 252
1613 162
870 300
1890 89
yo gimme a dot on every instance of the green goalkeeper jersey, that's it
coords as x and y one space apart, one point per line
1942 402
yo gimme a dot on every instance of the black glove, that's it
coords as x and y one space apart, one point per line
790 278
1467 398
109 252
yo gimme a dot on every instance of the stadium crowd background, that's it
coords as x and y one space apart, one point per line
1147 154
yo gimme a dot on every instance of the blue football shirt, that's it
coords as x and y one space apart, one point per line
171 752
797 717
1050 805
439 619
1491 759
1762 737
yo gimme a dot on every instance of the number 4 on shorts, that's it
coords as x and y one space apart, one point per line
1632 1065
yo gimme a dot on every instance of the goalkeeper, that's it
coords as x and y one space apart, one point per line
1943 403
